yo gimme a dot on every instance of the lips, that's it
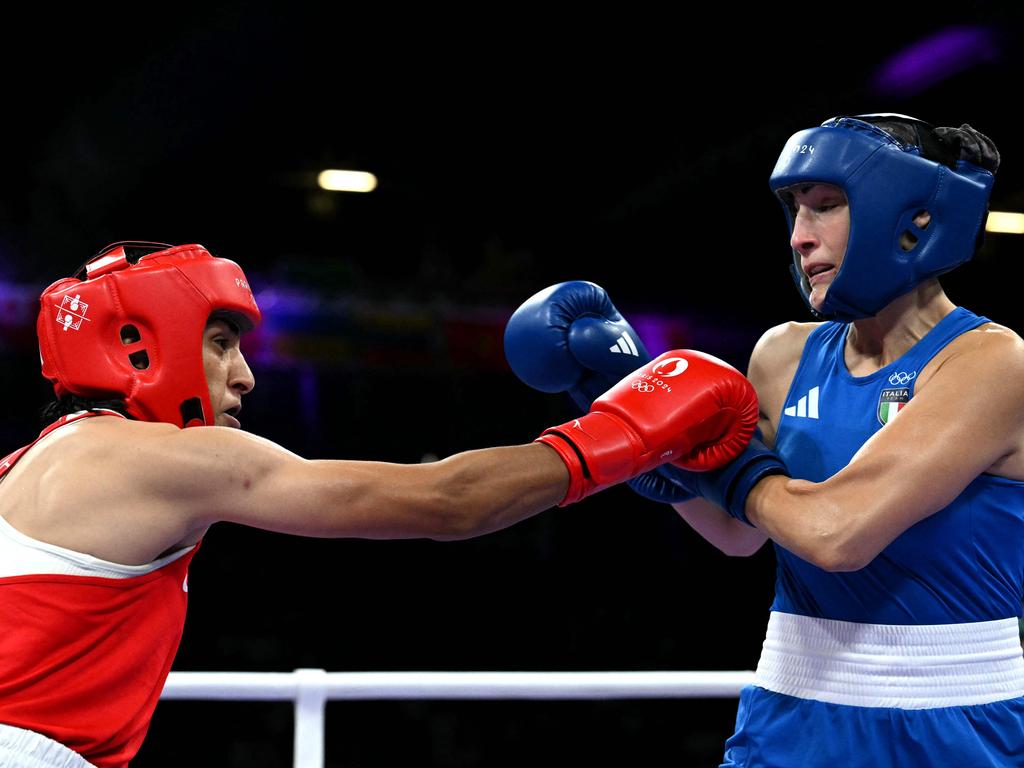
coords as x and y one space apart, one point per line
230 416
819 271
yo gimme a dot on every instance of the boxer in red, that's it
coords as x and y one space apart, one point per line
145 345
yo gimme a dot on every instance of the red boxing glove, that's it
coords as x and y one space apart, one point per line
684 407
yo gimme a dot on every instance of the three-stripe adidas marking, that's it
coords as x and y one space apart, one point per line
624 346
806 407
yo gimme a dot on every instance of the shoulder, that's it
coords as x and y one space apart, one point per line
977 383
91 444
996 340
779 349
990 349
136 489
996 337
773 365
189 475
984 363
155 457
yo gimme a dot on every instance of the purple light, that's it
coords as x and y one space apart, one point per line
19 304
660 332
936 58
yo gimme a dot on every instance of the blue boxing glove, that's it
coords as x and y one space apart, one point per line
665 486
570 338
728 486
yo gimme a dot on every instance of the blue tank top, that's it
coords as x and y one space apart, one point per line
964 563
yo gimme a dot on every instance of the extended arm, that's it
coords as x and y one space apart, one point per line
139 490
268 487
200 476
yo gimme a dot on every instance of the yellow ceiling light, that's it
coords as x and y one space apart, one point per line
346 181
1002 221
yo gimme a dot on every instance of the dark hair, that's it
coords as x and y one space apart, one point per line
942 144
972 146
50 412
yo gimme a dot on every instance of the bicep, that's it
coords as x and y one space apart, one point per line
338 499
214 474
945 437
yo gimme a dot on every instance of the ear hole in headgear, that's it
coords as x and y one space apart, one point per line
130 334
192 412
908 240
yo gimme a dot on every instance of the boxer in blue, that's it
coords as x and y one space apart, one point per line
891 473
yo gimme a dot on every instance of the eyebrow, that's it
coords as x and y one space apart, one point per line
232 329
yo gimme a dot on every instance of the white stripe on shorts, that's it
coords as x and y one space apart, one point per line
27 749
892 665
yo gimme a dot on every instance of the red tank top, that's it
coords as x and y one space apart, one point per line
83 659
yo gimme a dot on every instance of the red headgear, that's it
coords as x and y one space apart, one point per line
133 328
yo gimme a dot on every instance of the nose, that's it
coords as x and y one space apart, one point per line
805 237
241 379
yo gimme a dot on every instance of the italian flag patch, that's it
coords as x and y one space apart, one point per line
891 402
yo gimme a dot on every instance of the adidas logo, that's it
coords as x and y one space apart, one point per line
624 346
806 407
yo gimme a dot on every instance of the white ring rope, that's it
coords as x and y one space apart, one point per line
311 689
285 686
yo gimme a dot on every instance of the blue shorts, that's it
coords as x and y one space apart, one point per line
774 730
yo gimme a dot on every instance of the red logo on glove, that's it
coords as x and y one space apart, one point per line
671 367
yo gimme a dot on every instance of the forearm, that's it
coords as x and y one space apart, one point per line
462 496
840 524
732 537
491 489
793 514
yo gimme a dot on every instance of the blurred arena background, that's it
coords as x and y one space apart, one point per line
514 148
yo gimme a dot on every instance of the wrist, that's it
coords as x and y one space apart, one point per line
572 461
557 475
765 496
598 449
731 486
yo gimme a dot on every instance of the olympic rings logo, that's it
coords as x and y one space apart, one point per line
642 386
902 378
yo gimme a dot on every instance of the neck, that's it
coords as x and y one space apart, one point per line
874 342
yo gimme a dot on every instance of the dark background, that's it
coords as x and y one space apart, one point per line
515 148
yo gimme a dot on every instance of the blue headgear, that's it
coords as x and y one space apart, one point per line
888 181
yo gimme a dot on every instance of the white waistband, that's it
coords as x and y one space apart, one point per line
27 749
892 665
